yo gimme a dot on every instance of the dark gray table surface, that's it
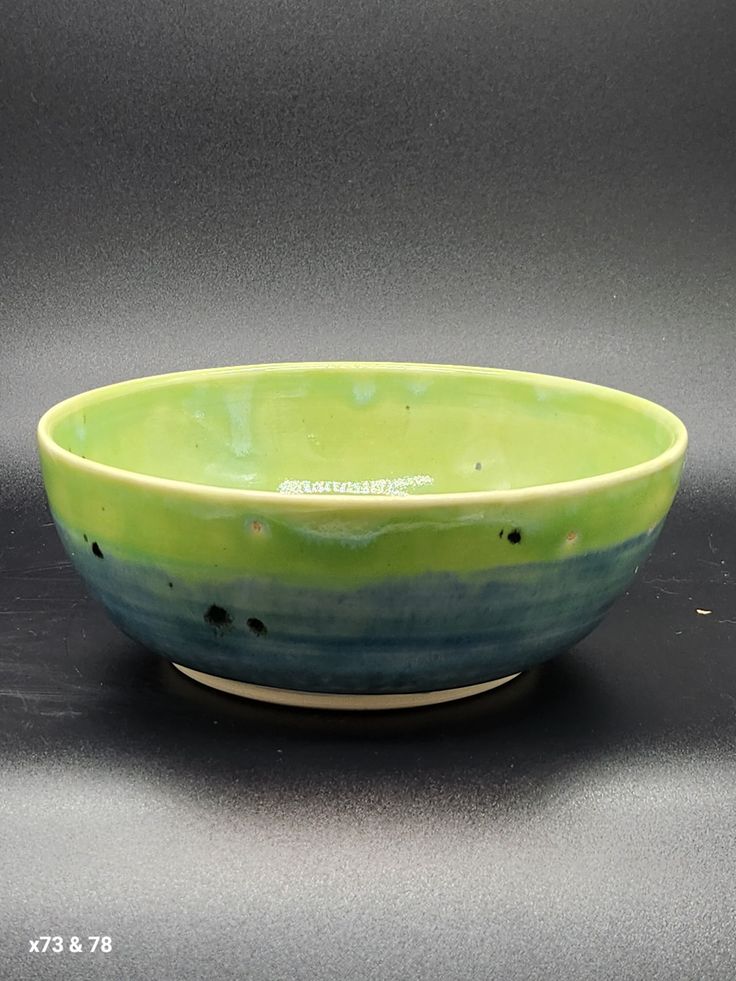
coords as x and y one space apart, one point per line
536 185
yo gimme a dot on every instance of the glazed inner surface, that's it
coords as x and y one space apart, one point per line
363 430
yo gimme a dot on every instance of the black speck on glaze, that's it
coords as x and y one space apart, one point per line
258 627
479 465
84 536
500 534
171 585
216 616
514 536
96 550
408 407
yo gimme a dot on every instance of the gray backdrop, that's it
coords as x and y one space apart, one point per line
536 184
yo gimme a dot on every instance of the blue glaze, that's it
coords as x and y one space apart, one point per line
431 632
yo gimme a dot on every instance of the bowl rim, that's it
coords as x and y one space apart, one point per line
214 492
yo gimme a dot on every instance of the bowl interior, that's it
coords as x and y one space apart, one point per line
381 429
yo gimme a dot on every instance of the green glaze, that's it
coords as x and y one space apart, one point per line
257 429
192 469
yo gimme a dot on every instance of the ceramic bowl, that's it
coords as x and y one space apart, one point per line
358 535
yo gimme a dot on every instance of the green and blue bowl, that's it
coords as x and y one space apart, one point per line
357 534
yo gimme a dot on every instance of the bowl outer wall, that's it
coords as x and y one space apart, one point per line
366 595
324 544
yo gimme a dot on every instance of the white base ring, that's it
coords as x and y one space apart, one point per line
328 700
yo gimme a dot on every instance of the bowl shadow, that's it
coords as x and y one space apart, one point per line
77 687
514 744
